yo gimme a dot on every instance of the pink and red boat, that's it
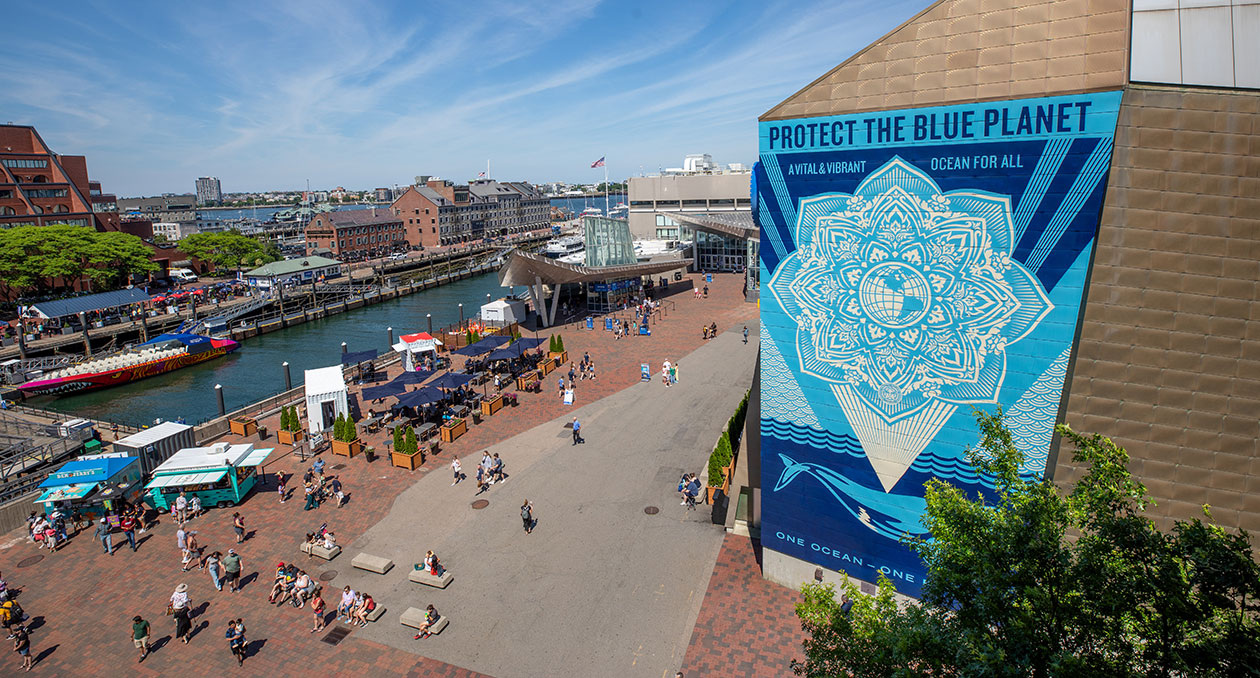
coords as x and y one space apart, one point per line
159 355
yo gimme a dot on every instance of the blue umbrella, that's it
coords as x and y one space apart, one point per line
416 377
529 342
421 396
484 346
451 380
513 351
384 391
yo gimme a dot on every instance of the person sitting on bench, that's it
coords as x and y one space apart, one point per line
361 611
431 617
329 541
432 565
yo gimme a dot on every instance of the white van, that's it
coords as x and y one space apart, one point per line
183 275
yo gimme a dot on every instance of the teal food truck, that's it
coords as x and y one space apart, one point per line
221 475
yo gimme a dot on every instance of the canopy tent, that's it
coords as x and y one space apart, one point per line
421 396
326 397
413 377
61 308
504 311
391 389
451 380
358 356
411 345
484 346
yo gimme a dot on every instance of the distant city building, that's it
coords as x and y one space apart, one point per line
699 190
209 192
384 195
351 234
442 213
39 187
174 230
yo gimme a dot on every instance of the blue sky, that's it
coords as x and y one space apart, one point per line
266 95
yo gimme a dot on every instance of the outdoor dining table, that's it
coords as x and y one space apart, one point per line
371 423
460 410
425 431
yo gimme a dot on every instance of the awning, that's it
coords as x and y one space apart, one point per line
256 458
66 492
181 479
60 308
525 268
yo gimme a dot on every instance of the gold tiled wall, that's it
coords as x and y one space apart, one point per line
977 50
1168 363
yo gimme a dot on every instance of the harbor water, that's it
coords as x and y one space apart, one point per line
254 371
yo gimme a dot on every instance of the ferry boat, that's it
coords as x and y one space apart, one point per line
159 355
564 247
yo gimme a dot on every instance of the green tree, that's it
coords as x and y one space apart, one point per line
229 249
400 442
410 442
284 418
1034 581
47 258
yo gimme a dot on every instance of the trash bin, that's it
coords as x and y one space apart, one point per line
369 454
476 416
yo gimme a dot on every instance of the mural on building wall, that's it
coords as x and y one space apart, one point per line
920 263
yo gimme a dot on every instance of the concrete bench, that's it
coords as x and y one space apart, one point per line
371 563
376 614
423 577
319 551
414 617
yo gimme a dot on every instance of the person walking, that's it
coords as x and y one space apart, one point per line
238 526
128 527
745 334
311 501
459 472
280 482
140 636
213 561
180 610
232 570
102 533
194 506
235 643
577 431
181 508
527 516
673 373
22 645
317 608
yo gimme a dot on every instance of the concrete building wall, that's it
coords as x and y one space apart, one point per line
686 192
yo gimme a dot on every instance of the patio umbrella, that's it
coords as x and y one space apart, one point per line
383 391
421 396
513 351
451 380
484 346
416 377
529 342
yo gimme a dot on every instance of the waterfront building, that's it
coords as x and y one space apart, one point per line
174 230
356 234
39 187
209 191
309 269
686 191
384 195
1050 207
439 212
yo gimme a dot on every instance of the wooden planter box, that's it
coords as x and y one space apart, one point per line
560 358
524 381
289 437
546 367
347 449
408 461
453 429
243 426
491 405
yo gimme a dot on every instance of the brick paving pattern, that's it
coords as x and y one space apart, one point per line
747 625
81 601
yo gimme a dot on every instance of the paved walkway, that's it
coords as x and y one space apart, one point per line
599 588
748 625
82 600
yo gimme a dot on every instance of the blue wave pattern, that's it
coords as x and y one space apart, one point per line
781 396
1031 419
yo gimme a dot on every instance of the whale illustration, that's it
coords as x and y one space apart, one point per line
897 516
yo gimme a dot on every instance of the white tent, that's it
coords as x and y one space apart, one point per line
503 311
412 345
326 397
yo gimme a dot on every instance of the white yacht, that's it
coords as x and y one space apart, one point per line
564 247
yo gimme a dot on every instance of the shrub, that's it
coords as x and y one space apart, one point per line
559 344
399 442
718 461
410 442
284 418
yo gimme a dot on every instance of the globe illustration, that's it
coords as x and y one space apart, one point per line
894 295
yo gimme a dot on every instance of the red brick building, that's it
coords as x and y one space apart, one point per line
442 213
39 187
356 234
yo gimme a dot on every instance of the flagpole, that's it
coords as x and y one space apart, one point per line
606 214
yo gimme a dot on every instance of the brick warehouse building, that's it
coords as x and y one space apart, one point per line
39 187
1049 206
351 234
440 212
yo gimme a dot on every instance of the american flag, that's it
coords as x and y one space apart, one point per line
598 163
481 174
